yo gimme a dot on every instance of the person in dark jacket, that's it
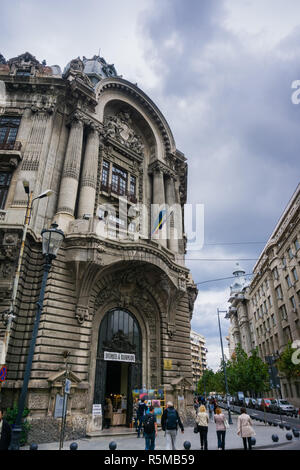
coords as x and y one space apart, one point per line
169 423
141 412
5 433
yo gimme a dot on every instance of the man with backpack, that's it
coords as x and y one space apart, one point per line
150 429
141 412
169 423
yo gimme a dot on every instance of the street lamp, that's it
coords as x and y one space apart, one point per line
224 366
9 315
51 241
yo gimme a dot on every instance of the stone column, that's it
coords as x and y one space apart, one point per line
88 181
70 175
174 220
158 200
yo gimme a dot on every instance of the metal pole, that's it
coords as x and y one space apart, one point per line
11 312
224 368
16 432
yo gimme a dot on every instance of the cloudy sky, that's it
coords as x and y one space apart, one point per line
221 73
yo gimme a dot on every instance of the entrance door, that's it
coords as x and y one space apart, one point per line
119 332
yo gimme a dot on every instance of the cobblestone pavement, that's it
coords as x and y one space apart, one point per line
131 442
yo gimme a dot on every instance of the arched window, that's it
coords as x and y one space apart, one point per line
120 332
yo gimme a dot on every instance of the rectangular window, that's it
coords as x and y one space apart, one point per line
288 281
270 301
283 312
275 274
291 254
9 126
132 185
5 179
293 302
119 181
279 292
296 244
105 175
273 320
295 275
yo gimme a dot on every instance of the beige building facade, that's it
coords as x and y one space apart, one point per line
119 284
198 351
265 313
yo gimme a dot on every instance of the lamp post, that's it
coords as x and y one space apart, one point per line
10 314
51 241
224 366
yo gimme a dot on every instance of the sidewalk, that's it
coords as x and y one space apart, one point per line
131 442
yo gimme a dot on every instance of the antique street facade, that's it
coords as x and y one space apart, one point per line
119 299
265 313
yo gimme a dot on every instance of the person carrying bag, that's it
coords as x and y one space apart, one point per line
202 420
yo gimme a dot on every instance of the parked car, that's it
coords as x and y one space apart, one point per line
265 404
239 399
284 407
252 402
257 404
247 402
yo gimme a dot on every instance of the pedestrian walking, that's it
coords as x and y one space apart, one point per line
5 432
202 420
150 429
220 421
211 409
169 423
245 429
141 412
108 413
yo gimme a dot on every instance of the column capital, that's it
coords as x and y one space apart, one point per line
160 167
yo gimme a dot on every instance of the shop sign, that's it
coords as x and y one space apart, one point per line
168 364
115 356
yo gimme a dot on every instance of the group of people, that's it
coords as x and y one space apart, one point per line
244 426
170 421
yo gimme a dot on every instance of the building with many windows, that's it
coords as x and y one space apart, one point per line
199 351
119 298
265 313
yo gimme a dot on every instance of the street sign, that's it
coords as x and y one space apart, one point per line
68 386
3 374
167 364
97 410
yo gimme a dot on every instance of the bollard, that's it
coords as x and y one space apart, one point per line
295 432
253 441
73 446
187 445
33 447
275 424
112 445
270 423
275 438
288 428
289 436
281 426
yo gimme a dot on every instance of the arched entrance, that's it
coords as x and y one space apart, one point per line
118 363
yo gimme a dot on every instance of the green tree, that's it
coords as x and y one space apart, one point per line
286 363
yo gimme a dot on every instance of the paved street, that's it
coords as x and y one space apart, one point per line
131 442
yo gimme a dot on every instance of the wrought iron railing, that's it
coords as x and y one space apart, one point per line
109 188
16 145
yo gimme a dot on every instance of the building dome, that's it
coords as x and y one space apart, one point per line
97 69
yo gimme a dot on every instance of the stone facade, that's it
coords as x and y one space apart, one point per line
199 351
265 313
107 153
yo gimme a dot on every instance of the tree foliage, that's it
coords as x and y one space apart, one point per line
286 365
248 374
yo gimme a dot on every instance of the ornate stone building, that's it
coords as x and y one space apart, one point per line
265 313
119 284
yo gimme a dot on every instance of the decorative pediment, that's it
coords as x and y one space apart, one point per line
182 382
57 379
